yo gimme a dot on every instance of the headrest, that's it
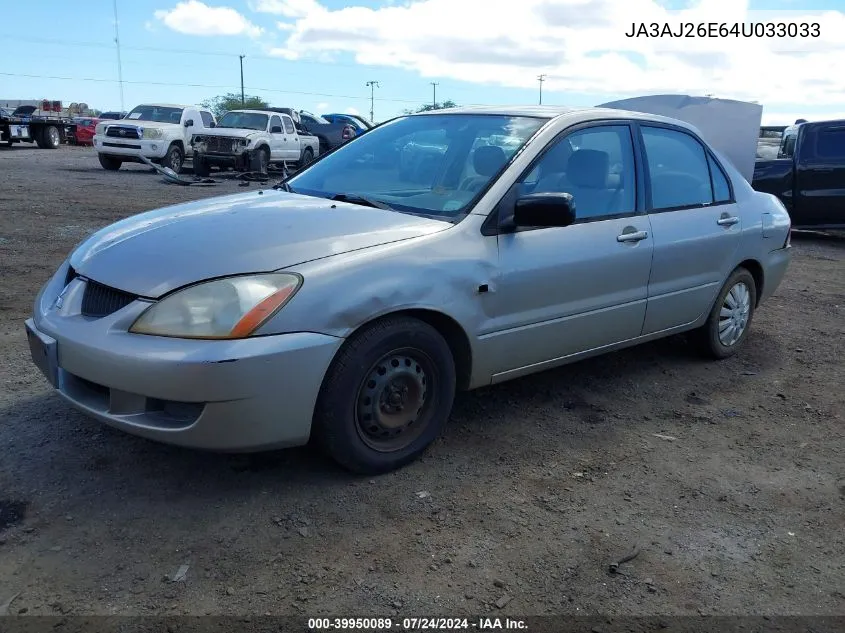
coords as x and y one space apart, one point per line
588 168
488 160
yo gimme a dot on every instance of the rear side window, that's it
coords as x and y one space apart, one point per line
678 170
289 129
275 121
721 188
830 143
787 147
206 118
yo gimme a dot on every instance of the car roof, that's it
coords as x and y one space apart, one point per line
166 105
552 112
249 111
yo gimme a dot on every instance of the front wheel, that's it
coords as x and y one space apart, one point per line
174 159
259 160
201 166
111 164
386 396
729 320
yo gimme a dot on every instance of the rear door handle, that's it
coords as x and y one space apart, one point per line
632 237
727 221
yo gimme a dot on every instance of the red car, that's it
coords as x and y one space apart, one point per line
85 130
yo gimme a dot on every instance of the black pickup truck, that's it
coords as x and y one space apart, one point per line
808 174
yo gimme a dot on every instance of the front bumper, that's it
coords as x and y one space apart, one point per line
244 395
240 160
129 148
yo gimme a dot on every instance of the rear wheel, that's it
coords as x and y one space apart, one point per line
307 157
111 164
386 396
730 318
48 137
201 166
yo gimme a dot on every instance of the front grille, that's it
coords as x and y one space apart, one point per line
122 131
99 300
121 145
221 144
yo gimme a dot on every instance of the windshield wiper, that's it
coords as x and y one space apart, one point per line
362 200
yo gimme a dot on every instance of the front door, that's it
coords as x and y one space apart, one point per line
566 290
278 145
695 223
292 149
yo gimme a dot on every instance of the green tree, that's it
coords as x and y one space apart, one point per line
221 104
432 106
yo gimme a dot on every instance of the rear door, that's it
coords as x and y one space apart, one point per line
820 176
695 222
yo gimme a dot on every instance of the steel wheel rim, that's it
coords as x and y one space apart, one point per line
394 400
54 136
734 314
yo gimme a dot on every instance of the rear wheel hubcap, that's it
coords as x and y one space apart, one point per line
734 314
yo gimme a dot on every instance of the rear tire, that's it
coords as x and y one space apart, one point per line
48 137
730 318
201 166
386 396
307 157
110 164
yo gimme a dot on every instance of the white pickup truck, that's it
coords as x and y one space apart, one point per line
162 133
252 140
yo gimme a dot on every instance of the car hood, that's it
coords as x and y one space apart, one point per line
155 252
234 132
147 125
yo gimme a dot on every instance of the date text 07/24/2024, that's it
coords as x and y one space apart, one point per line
724 29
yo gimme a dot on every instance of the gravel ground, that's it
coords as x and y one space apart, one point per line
729 476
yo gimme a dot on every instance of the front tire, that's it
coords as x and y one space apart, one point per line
201 166
729 320
386 396
174 159
110 164
259 160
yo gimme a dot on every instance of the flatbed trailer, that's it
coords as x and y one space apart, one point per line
43 126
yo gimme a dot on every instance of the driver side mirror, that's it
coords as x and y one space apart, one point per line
276 129
212 124
189 123
544 210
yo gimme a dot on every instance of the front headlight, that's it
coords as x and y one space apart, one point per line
239 144
152 133
100 129
229 308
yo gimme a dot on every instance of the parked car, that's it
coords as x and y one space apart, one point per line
349 305
808 174
84 130
358 123
331 135
253 140
159 132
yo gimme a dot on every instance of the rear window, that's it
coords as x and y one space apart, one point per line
830 143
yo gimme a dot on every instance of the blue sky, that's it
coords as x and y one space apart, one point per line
319 54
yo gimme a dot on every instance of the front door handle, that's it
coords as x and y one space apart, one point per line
636 236
727 221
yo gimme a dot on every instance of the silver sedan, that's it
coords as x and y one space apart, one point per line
350 302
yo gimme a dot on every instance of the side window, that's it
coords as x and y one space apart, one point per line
678 171
595 165
830 143
721 188
787 148
207 119
275 121
288 125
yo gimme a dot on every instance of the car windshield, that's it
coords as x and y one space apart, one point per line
244 120
433 164
317 118
159 114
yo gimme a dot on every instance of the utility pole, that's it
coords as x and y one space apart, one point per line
372 85
434 85
541 79
243 99
119 65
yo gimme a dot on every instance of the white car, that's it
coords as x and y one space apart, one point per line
159 132
252 140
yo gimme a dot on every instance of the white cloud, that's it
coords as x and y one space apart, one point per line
353 111
580 45
193 17
789 118
322 107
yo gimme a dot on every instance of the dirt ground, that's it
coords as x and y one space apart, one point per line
729 476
